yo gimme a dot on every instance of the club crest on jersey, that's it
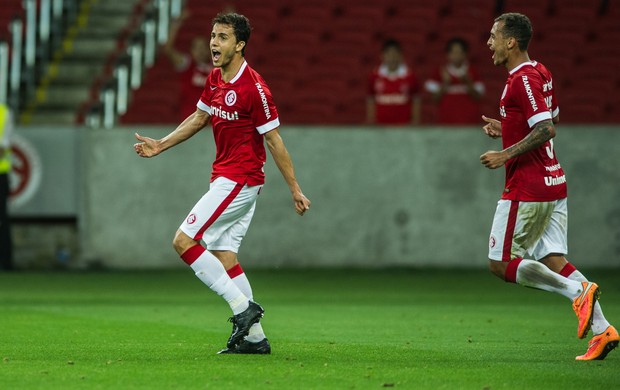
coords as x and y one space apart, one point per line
191 218
231 98
231 116
492 242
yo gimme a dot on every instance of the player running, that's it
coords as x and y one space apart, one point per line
531 216
240 107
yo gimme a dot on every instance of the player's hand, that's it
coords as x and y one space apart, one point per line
493 128
493 159
302 204
148 147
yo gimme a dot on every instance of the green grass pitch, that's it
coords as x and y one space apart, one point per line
329 329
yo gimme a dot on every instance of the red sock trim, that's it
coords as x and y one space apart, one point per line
511 270
192 254
568 270
235 271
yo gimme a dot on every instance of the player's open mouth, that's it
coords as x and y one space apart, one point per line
215 55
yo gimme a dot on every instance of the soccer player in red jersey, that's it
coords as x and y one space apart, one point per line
239 105
531 217
456 87
392 90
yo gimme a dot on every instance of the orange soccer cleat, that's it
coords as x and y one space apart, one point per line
601 345
583 306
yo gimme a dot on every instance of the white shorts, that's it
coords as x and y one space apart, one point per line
537 228
222 216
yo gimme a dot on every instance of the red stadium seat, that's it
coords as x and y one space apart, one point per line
315 56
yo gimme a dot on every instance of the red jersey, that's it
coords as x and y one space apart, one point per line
529 98
393 94
456 105
192 78
241 110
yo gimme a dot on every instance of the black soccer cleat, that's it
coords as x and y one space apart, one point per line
246 347
242 323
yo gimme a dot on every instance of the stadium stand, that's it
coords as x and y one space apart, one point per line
316 56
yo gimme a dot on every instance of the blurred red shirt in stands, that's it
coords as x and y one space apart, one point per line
193 76
456 87
193 67
392 90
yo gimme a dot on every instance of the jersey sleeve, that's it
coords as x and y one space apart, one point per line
530 98
263 113
555 108
204 103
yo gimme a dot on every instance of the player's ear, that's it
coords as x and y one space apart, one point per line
240 46
511 43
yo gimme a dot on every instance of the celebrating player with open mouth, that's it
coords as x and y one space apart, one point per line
240 107
531 216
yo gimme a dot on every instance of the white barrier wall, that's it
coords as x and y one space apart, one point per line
381 197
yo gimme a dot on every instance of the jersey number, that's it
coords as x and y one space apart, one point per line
550 148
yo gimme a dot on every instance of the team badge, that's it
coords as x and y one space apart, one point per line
492 242
191 218
231 98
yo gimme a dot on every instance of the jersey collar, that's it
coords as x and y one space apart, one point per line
239 73
400 72
521 65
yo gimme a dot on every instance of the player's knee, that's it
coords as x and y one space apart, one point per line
182 242
498 268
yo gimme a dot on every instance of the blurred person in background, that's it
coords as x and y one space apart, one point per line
6 245
193 68
392 90
239 106
456 87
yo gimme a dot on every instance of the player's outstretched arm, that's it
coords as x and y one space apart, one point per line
149 147
285 165
493 128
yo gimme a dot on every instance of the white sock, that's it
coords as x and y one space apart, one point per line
212 273
599 322
533 274
256 333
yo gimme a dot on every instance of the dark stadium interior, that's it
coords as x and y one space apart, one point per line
316 55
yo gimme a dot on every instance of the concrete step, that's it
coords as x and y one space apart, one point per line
72 72
99 32
114 22
55 116
85 46
70 88
114 6
58 95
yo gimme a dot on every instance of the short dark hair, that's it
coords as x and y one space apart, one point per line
391 43
517 26
239 23
457 41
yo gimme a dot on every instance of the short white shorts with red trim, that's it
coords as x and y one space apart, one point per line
222 216
535 228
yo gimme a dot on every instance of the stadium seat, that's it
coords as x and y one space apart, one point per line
316 55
